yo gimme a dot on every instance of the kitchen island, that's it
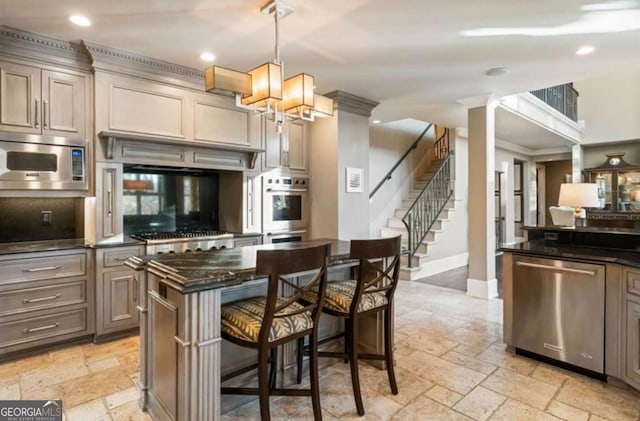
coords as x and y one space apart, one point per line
572 295
182 352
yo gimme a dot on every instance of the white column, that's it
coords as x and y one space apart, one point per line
482 280
577 163
338 143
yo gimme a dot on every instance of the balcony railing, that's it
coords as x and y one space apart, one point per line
563 98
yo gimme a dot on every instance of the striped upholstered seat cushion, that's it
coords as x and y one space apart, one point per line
243 319
340 294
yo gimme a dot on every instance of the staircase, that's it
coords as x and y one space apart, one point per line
396 226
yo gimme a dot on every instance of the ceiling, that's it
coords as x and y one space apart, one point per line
417 60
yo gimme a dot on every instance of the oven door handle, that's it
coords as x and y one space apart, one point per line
286 234
286 190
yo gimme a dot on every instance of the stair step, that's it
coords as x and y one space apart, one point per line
417 260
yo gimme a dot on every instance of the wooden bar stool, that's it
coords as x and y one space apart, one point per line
263 323
372 292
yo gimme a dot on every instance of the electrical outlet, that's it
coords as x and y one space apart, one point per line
45 218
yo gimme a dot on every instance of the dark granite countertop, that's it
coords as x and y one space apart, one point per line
45 245
193 272
549 249
246 234
587 229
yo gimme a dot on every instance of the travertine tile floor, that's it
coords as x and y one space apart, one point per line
451 365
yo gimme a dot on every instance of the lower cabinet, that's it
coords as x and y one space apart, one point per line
253 240
632 360
116 290
45 298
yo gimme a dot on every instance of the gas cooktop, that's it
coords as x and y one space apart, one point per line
166 236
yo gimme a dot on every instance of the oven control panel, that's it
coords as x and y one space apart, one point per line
286 182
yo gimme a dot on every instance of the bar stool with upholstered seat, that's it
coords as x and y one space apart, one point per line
371 293
263 323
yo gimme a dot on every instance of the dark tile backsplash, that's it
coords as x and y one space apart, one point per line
21 219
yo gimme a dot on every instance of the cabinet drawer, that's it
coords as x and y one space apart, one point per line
115 258
36 268
31 299
38 328
633 282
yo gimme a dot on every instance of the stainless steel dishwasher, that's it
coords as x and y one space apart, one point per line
558 310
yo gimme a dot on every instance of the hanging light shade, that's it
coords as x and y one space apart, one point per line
322 106
298 93
221 78
263 89
266 84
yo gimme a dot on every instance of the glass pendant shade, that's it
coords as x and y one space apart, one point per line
298 93
221 78
266 83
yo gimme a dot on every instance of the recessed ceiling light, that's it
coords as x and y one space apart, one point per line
207 56
497 71
80 20
587 49
376 122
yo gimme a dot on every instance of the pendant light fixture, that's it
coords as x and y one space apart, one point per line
263 88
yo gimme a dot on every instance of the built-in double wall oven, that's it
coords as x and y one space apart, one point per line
285 211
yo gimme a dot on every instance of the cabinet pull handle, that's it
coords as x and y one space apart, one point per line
36 124
121 259
38 329
37 300
561 269
135 288
110 208
42 269
44 114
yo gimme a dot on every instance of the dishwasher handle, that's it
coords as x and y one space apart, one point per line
561 269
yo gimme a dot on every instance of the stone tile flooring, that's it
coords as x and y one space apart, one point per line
451 365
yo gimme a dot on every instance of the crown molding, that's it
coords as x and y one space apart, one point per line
22 44
131 64
344 101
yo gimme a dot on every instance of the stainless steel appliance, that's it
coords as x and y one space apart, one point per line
285 237
30 162
285 204
185 241
558 310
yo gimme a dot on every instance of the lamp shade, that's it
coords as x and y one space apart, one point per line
266 81
579 195
220 78
298 92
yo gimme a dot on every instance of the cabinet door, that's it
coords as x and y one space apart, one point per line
632 362
109 198
20 98
119 299
297 146
63 104
273 145
219 122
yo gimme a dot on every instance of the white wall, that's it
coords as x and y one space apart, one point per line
610 106
386 147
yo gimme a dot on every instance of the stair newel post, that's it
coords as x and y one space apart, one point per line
410 229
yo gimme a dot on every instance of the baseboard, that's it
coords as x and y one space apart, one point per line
482 289
434 267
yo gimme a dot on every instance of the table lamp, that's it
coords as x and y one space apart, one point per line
579 195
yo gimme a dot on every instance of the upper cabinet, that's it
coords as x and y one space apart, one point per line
288 150
137 106
618 188
38 101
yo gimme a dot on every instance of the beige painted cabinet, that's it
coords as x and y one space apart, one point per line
42 101
108 200
116 290
287 151
631 359
217 119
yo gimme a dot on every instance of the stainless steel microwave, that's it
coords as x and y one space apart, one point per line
29 162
